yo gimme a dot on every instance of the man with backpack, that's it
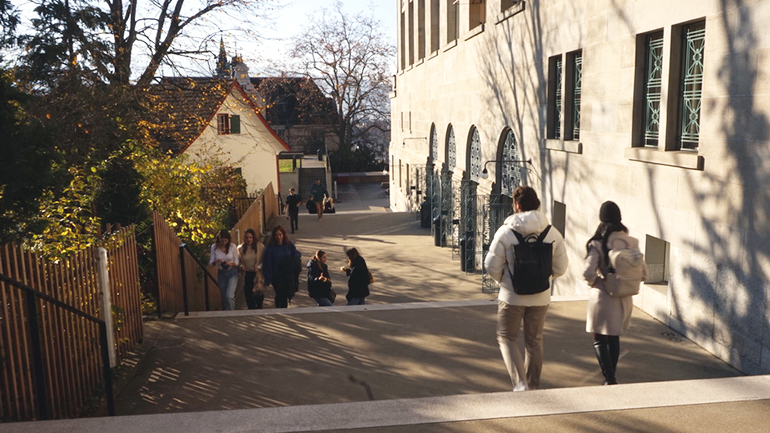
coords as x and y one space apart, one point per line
524 256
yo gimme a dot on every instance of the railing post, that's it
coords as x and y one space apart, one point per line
106 369
206 290
41 400
184 280
104 288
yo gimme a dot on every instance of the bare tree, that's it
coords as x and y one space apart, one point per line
114 40
349 59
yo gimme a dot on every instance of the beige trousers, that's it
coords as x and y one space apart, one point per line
524 373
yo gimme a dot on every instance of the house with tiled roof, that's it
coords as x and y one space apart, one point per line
215 119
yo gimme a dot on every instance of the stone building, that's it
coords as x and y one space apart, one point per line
661 106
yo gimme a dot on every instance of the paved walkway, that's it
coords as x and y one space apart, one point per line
421 356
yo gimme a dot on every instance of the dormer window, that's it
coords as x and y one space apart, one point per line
228 124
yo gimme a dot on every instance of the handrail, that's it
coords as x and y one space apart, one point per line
37 355
206 273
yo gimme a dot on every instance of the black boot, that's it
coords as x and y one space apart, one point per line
259 298
614 343
602 349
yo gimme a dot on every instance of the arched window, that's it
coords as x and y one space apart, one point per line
451 149
474 154
510 172
433 143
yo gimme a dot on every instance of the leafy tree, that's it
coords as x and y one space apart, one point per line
28 164
349 59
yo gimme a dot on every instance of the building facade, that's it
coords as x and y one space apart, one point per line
660 106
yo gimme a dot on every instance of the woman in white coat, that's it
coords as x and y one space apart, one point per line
607 316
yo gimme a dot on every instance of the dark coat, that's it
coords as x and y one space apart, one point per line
358 279
315 287
281 267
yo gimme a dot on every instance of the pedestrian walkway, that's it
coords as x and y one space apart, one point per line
421 356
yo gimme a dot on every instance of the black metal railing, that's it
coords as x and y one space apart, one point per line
38 377
206 277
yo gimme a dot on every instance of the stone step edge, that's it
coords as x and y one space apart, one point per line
427 410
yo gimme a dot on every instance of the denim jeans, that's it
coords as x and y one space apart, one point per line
357 301
524 373
227 281
323 302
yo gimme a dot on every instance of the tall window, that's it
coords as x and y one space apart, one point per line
691 85
452 22
410 31
476 13
420 29
228 124
435 20
653 74
451 149
574 91
554 97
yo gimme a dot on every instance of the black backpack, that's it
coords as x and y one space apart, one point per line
532 264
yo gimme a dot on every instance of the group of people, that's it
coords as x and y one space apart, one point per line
607 316
319 281
279 264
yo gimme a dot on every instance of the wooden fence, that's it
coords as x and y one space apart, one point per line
169 268
70 344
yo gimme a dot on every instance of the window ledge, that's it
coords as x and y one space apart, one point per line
450 45
433 54
479 29
511 11
681 159
569 146
392 94
419 62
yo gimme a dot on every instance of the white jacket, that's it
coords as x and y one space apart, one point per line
501 256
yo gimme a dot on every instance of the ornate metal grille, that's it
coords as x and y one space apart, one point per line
694 43
495 211
475 156
434 180
510 172
469 225
447 209
652 93
451 150
418 187
434 145
557 102
577 90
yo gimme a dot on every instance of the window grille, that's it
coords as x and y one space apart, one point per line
652 88
693 44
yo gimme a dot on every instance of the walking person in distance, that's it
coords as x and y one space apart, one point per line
520 299
318 192
292 209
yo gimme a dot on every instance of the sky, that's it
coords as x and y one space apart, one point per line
289 20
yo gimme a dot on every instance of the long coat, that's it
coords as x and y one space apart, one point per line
358 279
606 315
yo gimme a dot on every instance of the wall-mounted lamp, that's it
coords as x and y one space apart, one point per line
485 173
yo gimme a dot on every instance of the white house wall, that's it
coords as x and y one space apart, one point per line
254 150
712 206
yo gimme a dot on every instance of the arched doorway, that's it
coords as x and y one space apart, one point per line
469 221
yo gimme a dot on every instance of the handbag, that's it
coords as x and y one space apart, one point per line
371 277
332 295
614 286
